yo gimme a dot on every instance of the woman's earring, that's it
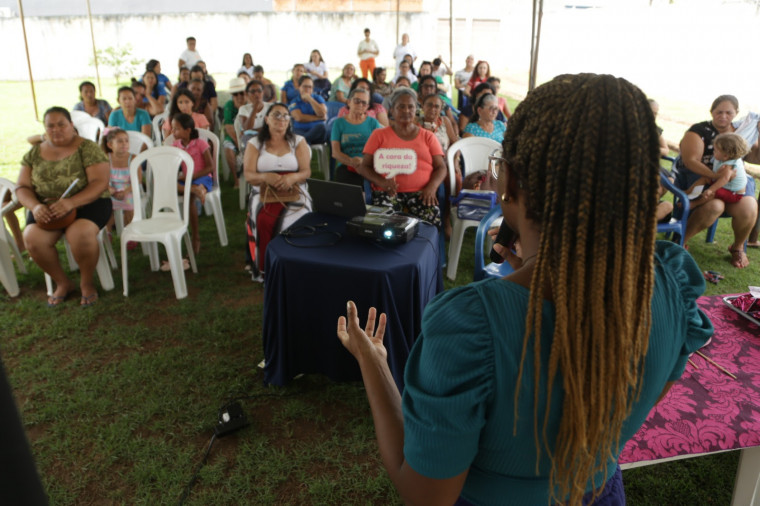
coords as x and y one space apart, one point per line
504 197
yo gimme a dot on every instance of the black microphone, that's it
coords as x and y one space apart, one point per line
506 237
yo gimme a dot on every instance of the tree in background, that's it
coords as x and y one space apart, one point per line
119 59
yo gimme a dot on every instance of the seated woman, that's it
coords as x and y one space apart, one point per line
469 108
349 135
95 107
524 389
289 90
270 92
428 86
184 102
495 82
282 160
696 161
432 121
309 112
405 71
383 87
202 105
155 95
182 81
247 65
129 117
479 76
426 69
375 110
163 81
483 122
250 118
317 69
409 180
342 85
64 159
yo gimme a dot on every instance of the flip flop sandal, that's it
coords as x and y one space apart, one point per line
55 300
89 301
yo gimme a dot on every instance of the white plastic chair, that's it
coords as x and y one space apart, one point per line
166 225
7 242
214 197
475 152
79 116
106 262
8 188
89 128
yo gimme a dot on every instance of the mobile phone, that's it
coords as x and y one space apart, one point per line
506 237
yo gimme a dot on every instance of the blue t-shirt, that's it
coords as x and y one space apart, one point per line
290 90
460 379
499 127
352 137
306 108
141 118
738 183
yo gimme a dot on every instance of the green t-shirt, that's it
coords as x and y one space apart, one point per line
51 178
230 113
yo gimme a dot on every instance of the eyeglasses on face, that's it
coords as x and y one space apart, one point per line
255 90
359 101
494 162
237 93
281 116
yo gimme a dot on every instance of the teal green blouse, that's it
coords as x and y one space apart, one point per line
458 402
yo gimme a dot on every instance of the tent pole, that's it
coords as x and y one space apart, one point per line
538 40
451 41
398 7
94 51
28 60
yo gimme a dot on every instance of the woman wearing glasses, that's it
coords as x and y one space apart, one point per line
524 389
483 122
280 159
350 134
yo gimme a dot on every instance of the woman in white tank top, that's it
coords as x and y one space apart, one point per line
279 158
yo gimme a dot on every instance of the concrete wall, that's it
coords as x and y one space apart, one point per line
60 47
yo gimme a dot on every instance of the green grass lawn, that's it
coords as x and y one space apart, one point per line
119 400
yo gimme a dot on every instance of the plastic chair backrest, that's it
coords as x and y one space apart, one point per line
213 140
475 151
137 140
6 187
158 121
480 271
79 116
89 128
164 163
333 108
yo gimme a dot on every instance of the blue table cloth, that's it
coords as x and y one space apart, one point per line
309 279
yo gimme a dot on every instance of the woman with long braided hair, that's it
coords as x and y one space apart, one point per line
524 390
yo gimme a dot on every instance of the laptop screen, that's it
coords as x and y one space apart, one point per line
339 199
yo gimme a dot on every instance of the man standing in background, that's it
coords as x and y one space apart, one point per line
367 51
189 56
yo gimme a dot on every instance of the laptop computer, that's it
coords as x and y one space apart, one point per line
339 199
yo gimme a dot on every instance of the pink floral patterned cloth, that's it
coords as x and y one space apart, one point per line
706 410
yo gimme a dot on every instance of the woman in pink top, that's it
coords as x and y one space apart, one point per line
184 102
186 139
404 162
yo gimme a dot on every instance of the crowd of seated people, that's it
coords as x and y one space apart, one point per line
314 105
